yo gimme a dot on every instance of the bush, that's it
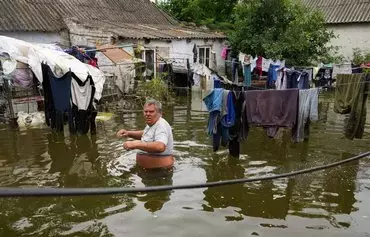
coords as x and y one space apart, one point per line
157 89
360 57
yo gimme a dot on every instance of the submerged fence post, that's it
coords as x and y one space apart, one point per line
8 97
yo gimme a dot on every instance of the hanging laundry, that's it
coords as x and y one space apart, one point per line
272 75
304 81
48 98
246 61
241 57
308 70
224 53
247 75
82 106
220 105
89 51
235 131
226 120
234 70
357 69
60 63
93 62
227 111
259 65
216 81
324 77
281 82
307 112
266 64
297 79
351 97
61 93
292 79
77 53
270 109
281 63
254 63
81 92
213 102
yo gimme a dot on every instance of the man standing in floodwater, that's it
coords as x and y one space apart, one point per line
155 142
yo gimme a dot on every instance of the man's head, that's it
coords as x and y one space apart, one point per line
152 111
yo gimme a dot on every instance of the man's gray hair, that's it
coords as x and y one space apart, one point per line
156 103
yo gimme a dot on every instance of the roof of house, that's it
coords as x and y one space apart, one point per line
342 11
149 31
124 16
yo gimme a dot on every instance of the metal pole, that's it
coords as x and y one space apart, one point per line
8 91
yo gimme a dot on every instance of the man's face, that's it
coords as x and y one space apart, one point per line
151 114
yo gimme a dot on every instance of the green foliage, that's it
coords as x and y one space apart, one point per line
331 56
280 29
157 89
215 14
360 57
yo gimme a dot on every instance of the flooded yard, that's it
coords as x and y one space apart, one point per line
334 202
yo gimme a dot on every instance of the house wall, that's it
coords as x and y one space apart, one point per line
351 36
119 79
40 37
177 51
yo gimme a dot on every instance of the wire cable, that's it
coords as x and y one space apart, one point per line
42 192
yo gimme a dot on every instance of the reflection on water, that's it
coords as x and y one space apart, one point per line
155 201
330 202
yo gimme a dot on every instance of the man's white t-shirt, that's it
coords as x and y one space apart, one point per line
161 131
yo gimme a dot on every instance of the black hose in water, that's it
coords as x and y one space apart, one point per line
42 192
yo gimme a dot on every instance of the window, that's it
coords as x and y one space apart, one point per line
148 56
149 59
204 55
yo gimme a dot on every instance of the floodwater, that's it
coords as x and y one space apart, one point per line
334 202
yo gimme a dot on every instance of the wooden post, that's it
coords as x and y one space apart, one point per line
188 77
155 62
7 91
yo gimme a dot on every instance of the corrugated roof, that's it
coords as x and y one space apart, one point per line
149 31
342 11
126 18
22 15
47 15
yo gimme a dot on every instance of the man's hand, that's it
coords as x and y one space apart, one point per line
123 133
130 145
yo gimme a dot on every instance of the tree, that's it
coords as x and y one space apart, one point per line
216 14
280 29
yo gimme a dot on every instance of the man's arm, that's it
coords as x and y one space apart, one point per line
135 134
132 134
150 147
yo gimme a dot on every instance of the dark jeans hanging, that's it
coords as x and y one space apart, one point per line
235 131
221 136
234 69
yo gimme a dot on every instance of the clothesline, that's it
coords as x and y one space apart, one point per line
341 84
114 47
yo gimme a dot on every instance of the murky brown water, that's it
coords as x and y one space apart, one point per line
334 202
